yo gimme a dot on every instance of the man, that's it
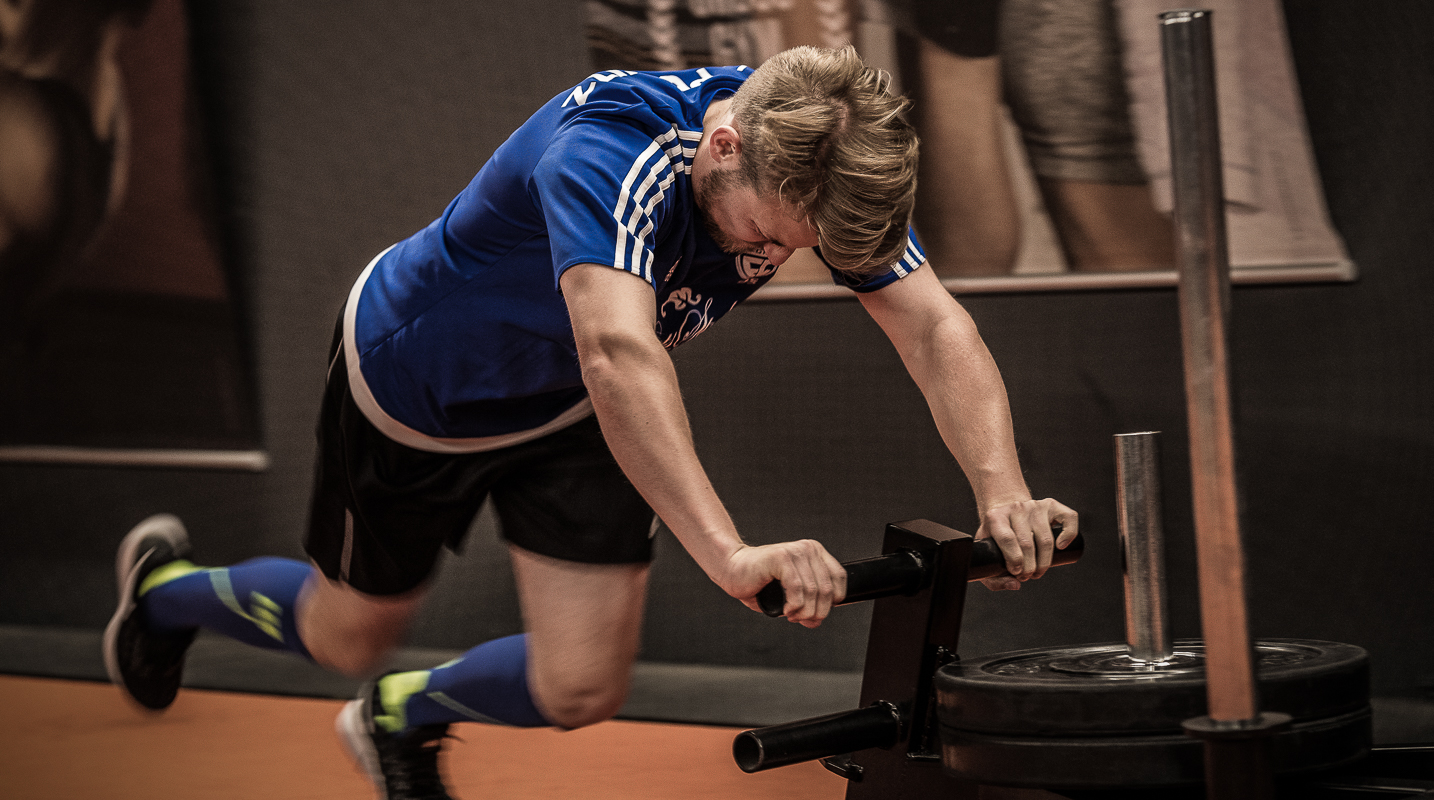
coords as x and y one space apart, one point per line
517 347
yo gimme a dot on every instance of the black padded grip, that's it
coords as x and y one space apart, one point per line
904 572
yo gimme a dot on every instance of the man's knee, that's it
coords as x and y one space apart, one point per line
349 632
577 704
352 656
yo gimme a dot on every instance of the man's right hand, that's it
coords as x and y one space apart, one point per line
813 580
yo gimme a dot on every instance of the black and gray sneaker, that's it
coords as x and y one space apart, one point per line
146 666
402 766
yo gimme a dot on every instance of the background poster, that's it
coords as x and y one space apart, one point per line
118 321
1045 152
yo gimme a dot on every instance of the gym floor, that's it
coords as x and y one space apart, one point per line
72 739
256 724
681 693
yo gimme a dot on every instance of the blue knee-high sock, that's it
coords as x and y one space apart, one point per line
486 684
253 601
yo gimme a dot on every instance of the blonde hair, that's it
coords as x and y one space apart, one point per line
824 131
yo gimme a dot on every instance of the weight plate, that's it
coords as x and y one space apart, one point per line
1139 761
1096 689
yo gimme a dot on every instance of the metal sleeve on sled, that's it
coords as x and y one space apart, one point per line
877 725
1137 481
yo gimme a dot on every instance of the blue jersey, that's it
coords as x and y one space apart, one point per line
458 339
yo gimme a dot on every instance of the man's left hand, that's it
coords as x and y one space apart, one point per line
1028 532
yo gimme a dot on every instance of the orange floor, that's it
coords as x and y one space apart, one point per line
64 740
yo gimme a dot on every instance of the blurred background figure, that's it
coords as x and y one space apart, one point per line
966 213
118 328
1064 82
1053 68
683 34
1044 147
63 141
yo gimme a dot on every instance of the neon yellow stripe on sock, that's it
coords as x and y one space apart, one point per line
393 693
264 619
162 575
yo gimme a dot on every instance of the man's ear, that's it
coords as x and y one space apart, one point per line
724 143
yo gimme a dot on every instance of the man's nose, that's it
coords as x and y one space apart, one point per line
776 253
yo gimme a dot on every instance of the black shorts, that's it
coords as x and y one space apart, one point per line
382 511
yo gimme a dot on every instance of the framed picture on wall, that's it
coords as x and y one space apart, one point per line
120 334
1045 155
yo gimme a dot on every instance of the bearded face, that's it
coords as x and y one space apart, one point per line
714 189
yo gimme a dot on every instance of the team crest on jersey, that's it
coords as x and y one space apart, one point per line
684 314
752 269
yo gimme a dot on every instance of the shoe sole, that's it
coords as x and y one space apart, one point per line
127 562
353 733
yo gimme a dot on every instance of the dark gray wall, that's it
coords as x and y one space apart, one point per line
341 127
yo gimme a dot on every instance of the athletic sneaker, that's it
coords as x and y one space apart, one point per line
403 765
147 666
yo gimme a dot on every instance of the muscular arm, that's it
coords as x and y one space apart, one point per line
634 390
944 354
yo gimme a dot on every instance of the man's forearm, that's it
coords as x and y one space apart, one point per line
968 401
943 352
634 390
